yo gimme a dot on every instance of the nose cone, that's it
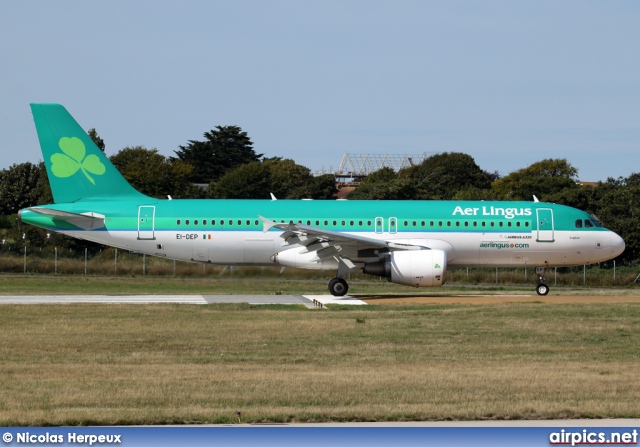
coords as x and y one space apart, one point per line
617 245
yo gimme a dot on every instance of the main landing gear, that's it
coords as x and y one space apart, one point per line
338 287
541 289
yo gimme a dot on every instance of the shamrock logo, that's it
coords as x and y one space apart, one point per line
66 164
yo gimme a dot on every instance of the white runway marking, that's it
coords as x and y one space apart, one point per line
330 299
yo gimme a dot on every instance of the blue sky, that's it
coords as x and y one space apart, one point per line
508 82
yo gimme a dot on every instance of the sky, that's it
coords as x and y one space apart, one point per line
507 82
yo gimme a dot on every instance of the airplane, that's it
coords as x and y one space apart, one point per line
408 242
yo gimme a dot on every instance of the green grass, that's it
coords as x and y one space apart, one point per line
162 364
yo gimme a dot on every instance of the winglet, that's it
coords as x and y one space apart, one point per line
535 199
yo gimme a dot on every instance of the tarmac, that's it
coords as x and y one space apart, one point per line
310 301
317 301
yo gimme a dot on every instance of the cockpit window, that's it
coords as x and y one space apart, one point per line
579 223
588 223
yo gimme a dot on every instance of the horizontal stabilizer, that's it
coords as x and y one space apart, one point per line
86 221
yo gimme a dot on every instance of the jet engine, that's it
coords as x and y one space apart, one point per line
418 268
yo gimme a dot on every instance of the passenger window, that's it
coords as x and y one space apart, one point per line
457 224
422 223
343 223
256 223
493 224
526 224
360 223
475 224
334 223
414 223
439 223
204 222
406 223
509 224
326 222
186 222
448 223
588 224
222 222
248 222
213 222
195 222
308 222
501 224
466 224
432 223
351 223
178 222
484 224
368 223
579 223
517 224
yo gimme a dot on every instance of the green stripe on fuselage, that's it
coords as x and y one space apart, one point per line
122 215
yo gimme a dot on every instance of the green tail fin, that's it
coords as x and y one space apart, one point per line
77 168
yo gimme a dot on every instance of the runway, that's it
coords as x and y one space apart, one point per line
313 301
305 300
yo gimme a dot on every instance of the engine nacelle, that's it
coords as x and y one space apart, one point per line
418 268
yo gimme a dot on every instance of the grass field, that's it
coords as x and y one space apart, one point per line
164 364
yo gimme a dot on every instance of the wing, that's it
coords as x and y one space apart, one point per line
345 248
86 221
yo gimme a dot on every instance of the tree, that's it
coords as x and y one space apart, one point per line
384 184
96 139
441 176
284 178
223 149
153 174
322 187
619 211
248 181
19 187
542 179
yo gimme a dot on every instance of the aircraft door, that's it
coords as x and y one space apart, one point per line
545 225
393 225
379 225
146 222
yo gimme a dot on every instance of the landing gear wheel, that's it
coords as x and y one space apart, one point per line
338 287
542 289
